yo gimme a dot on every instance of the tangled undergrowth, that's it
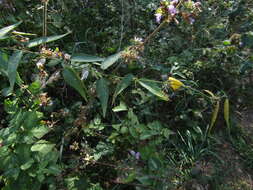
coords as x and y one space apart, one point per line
125 94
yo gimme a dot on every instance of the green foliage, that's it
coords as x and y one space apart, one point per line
44 40
103 93
71 77
7 29
27 161
102 108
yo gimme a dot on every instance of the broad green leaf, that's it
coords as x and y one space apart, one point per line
7 29
85 58
131 177
148 134
124 130
109 61
214 115
72 79
152 87
154 164
35 87
121 107
42 146
12 173
27 165
145 180
226 112
31 119
103 94
124 83
43 40
12 68
40 131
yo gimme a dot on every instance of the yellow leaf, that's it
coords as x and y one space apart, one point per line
214 115
226 112
174 83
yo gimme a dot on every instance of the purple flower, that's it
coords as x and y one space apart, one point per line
172 10
137 155
197 4
191 20
158 17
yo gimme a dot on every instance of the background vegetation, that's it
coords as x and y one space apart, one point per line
126 94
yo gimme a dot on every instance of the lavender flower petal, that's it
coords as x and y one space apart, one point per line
158 17
137 155
192 20
172 10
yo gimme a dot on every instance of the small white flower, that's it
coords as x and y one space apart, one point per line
138 40
85 74
67 56
40 64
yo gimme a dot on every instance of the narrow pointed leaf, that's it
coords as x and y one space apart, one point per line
109 61
23 33
122 85
7 29
72 79
43 40
12 68
226 112
214 115
210 93
3 63
153 88
103 94
84 58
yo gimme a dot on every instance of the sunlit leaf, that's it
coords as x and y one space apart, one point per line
103 94
40 131
121 107
43 40
152 87
42 146
226 112
27 165
210 93
23 33
214 115
122 85
85 58
109 61
72 79
7 29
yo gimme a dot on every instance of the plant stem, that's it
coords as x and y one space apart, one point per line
154 32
